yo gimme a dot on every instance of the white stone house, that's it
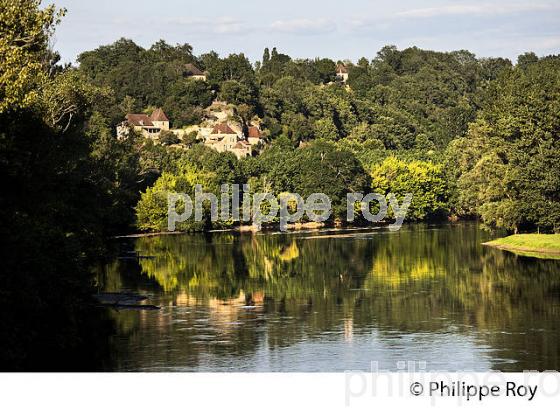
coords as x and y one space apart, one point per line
254 135
192 71
342 72
149 126
224 139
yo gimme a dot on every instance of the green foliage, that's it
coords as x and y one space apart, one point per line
69 184
168 138
152 77
199 165
68 99
273 68
190 139
151 211
425 91
525 60
146 75
400 95
233 67
412 104
324 128
319 167
424 180
534 245
25 30
508 167
185 101
116 170
235 92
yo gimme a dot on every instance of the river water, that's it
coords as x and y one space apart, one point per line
330 301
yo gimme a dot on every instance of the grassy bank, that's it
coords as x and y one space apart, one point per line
535 245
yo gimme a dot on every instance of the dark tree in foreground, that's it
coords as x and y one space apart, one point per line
67 185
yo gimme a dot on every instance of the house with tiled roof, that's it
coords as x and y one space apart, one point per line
254 135
159 119
149 126
192 71
223 129
223 138
342 72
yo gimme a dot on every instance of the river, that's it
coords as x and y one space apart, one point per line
429 296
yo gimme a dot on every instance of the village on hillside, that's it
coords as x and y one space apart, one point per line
218 130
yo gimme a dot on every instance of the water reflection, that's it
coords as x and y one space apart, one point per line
331 301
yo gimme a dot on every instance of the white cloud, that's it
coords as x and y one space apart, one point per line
216 25
480 9
542 45
464 17
304 26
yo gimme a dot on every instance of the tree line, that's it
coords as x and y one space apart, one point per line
469 137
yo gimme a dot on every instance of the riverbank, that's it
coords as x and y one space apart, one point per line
239 228
545 246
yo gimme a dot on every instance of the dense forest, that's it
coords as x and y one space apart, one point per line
468 137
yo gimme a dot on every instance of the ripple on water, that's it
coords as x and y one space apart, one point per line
422 294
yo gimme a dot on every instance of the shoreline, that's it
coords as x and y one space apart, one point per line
239 228
305 226
545 246
521 248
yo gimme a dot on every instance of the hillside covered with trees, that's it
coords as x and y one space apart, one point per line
469 137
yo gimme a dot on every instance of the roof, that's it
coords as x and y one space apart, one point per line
158 115
139 120
341 69
241 145
191 69
223 128
254 132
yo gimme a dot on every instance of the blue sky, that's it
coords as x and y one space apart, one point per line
343 29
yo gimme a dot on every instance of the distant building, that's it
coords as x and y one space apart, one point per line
224 139
242 149
254 136
160 120
149 126
192 71
342 72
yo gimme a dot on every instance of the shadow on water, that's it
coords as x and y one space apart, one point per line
331 301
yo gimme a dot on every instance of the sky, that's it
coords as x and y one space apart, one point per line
342 29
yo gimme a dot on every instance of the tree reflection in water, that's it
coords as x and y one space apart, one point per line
291 301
